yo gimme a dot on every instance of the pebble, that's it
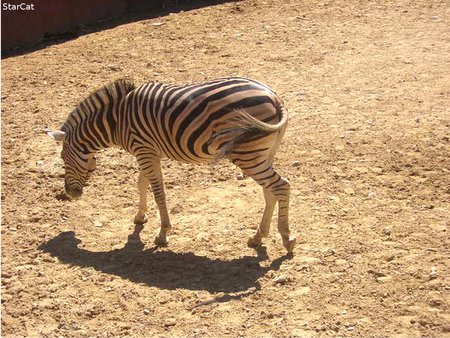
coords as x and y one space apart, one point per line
387 231
98 224
372 195
335 199
6 274
176 209
349 191
302 291
296 164
316 152
433 273
240 176
384 279
340 261
329 252
377 170
146 311
281 280
170 322
362 170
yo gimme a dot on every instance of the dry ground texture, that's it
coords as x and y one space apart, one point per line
367 85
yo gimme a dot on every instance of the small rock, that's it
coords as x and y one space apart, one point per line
296 164
349 191
240 176
39 162
362 170
433 273
335 199
146 311
372 195
387 231
384 279
316 152
6 274
176 209
302 291
282 280
113 67
329 252
98 224
435 302
377 170
340 261
350 328
170 322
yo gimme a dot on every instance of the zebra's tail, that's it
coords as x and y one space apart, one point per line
244 128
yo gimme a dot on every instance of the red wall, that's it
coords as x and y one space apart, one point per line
24 28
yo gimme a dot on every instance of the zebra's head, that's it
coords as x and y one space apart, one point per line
78 164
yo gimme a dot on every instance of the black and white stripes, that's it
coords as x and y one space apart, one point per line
234 118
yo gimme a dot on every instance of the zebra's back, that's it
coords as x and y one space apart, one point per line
182 122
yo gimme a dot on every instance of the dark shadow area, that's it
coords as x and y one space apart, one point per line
131 15
166 269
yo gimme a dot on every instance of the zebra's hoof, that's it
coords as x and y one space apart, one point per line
254 242
289 243
140 219
161 241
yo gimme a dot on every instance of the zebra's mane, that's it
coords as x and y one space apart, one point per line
116 90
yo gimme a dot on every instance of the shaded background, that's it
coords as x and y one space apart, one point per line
52 20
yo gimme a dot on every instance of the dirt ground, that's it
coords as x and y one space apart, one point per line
368 90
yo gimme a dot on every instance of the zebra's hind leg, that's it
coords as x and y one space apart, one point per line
143 184
276 189
281 189
264 226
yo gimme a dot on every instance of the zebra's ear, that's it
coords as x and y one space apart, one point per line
57 135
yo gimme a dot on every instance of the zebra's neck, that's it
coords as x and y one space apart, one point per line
92 124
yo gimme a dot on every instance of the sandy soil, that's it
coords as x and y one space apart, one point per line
368 89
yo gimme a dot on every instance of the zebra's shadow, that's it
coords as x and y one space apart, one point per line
163 268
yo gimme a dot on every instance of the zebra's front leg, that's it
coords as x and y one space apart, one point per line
143 184
154 175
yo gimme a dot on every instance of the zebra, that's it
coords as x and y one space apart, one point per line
238 119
